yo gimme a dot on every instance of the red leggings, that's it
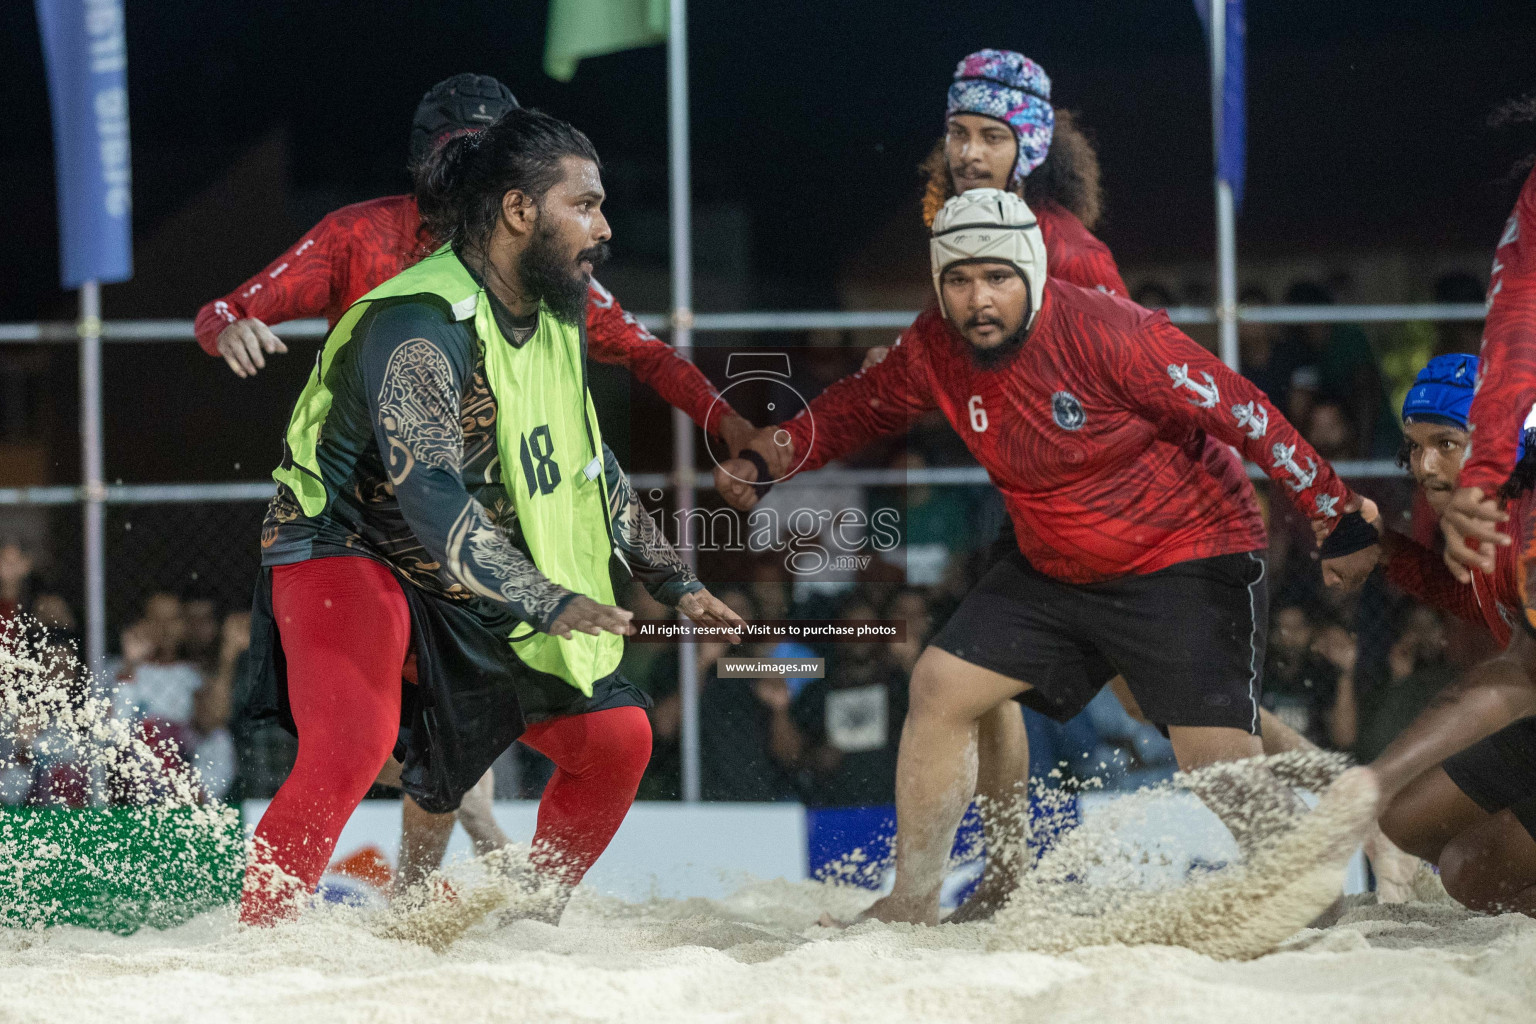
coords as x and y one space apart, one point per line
346 632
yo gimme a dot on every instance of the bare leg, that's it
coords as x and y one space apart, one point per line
1252 809
1489 697
1429 813
1491 866
478 818
423 841
1002 778
935 776
1280 738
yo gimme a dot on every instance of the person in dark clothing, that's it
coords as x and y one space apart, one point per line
851 720
1300 684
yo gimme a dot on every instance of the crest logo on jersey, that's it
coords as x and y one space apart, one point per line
1252 417
1067 411
1206 395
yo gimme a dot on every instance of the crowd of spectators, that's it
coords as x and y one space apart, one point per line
1346 672
172 684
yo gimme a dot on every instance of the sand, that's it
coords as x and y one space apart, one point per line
759 957
1091 936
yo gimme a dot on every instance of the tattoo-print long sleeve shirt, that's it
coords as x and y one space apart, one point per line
409 455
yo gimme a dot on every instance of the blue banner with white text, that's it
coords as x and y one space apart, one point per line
85 47
1231 144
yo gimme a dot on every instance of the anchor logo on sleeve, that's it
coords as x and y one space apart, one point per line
1285 458
1254 416
1207 394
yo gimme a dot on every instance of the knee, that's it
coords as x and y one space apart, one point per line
1465 873
926 697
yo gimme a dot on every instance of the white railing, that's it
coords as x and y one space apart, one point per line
95 499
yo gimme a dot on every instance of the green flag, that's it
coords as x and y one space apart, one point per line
590 28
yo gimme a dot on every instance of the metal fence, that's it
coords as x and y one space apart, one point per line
203 547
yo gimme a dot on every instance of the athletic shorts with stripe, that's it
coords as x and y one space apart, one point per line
1189 639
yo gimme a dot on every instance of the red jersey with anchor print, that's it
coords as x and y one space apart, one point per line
359 247
1506 371
1095 433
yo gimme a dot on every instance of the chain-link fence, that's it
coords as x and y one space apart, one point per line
1345 671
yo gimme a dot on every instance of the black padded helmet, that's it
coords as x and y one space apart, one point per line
456 105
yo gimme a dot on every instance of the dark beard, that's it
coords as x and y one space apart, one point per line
1001 354
560 284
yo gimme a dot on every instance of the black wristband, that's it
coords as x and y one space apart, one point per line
1352 534
757 460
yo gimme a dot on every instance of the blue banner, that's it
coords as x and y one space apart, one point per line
1231 143
87 55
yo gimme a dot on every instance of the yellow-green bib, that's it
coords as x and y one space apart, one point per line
548 444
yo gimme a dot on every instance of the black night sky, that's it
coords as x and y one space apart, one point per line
1365 128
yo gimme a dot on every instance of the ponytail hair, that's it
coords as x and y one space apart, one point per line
459 186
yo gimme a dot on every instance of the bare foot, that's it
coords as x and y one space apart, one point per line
986 901
1394 869
894 909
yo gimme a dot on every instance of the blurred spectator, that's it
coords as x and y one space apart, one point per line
1458 335
1334 362
1152 295
935 522
201 642
749 745
156 690
850 721
39 762
1305 670
1256 349
1417 669
1329 430
16 565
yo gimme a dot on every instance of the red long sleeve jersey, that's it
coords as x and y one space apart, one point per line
1506 373
1493 601
1095 433
1073 254
359 247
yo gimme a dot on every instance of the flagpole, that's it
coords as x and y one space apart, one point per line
92 485
1226 220
682 340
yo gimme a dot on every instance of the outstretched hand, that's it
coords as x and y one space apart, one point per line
243 343
1472 535
706 609
584 615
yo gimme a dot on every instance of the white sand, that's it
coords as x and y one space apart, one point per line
1053 954
759 957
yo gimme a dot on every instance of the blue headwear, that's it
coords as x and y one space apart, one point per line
1442 393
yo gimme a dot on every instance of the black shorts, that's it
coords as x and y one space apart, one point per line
1189 639
1499 772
